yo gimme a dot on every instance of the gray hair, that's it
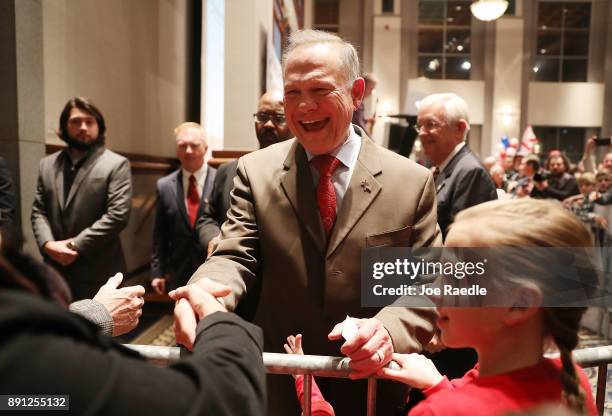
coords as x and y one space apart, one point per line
309 37
455 108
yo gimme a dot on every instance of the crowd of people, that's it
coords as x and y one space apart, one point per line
583 187
270 246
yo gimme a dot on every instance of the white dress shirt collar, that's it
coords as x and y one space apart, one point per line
200 177
450 157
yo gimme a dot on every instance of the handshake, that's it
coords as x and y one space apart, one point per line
367 342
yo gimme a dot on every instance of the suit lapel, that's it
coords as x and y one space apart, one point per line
83 172
361 192
206 189
59 178
179 196
448 170
300 190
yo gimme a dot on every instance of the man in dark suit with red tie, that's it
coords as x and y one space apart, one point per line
181 199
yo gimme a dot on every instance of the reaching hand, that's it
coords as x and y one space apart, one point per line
192 305
294 345
369 350
416 371
124 305
159 285
185 322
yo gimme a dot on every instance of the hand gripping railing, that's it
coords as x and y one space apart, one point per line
324 366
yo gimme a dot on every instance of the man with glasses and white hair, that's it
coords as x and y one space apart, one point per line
461 182
302 211
461 179
181 198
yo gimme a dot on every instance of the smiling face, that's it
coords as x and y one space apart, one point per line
319 104
437 136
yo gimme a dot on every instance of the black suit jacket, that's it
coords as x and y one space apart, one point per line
463 183
176 249
215 212
559 187
47 349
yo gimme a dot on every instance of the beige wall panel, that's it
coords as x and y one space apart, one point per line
129 57
471 91
569 104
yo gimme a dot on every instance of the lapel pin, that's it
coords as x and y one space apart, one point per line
365 186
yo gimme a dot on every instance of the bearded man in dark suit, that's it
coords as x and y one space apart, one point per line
83 200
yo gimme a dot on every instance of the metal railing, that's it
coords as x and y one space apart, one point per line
338 367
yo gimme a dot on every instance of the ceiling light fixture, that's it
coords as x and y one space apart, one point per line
488 10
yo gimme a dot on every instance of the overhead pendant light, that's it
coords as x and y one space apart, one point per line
488 10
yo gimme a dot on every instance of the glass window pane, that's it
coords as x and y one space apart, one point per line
574 70
326 12
547 137
577 15
458 67
430 40
458 13
430 66
431 12
550 14
458 41
549 42
576 43
387 6
511 10
546 69
571 141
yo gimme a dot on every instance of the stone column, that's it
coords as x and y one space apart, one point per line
22 107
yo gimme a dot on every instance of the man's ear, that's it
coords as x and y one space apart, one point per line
462 126
357 91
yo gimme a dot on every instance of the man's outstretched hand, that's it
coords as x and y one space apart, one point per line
195 302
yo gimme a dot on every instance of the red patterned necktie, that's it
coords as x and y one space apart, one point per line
193 200
326 195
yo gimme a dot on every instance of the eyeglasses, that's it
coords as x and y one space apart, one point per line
277 118
427 126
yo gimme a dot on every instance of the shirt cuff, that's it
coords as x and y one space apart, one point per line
95 312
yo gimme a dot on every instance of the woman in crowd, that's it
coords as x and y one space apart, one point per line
47 350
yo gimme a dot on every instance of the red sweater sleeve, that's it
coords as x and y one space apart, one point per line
319 406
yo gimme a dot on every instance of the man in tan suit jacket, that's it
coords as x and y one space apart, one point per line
274 244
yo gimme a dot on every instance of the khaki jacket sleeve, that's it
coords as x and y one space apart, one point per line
235 261
412 328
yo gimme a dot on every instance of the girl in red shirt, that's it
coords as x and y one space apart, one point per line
511 373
